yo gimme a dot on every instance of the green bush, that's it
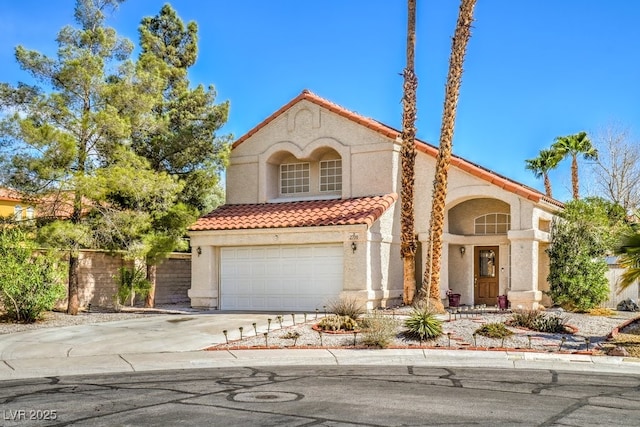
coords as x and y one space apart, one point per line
336 322
347 306
131 282
30 280
577 268
494 330
378 330
422 324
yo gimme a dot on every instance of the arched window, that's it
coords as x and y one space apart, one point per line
30 212
493 223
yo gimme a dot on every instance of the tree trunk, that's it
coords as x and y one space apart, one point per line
547 185
73 302
408 156
152 270
574 177
431 281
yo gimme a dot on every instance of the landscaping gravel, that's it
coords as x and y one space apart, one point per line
458 330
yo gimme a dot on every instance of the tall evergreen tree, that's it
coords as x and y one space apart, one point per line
73 128
182 140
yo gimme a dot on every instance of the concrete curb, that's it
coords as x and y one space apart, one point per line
144 362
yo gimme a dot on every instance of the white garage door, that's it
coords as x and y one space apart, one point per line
275 278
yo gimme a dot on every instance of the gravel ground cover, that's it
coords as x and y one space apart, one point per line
590 333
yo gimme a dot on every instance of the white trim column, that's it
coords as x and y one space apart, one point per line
205 275
524 293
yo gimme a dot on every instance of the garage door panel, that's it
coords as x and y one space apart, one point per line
280 277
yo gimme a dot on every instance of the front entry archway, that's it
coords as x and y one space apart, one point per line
486 276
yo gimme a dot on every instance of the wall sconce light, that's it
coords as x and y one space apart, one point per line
199 250
462 250
354 246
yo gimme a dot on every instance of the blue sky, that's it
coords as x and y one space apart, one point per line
535 69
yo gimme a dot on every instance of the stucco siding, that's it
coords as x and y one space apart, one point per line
240 183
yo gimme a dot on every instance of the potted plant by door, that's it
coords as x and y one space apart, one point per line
454 299
503 303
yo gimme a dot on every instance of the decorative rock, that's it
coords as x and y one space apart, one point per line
628 305
618 351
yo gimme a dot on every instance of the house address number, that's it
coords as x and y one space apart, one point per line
354 236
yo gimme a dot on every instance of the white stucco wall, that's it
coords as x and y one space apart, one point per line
368 158
371 166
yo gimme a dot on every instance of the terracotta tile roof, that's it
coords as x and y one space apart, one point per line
10 195
311 213
465 165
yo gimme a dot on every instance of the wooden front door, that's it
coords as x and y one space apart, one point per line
486 277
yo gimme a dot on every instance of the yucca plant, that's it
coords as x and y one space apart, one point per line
422 324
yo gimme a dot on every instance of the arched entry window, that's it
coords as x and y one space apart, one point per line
493 223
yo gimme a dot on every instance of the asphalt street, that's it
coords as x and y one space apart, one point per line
325 396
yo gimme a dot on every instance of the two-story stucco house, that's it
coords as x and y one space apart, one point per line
312 213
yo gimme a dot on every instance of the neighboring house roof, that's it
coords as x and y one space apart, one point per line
311 213
465 165
10 195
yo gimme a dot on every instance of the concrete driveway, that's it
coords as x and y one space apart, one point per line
157 333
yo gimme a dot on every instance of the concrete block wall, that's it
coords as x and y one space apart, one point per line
97 283
174 280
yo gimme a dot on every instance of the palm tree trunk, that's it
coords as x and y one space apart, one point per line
408 154
431 281
574 177
547 184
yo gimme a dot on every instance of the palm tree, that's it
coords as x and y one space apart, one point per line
574 145
408 154
629 251
541 165
431 282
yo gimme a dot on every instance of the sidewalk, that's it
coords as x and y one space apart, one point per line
165 342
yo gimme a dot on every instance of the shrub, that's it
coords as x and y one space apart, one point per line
423 324
30 280
538 321
347 306
336 322
131 282
525 318
577 268
379 330
494 330
550 324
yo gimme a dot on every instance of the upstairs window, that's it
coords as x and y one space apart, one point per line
331 175
30 212
494 223
17 213
294 178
